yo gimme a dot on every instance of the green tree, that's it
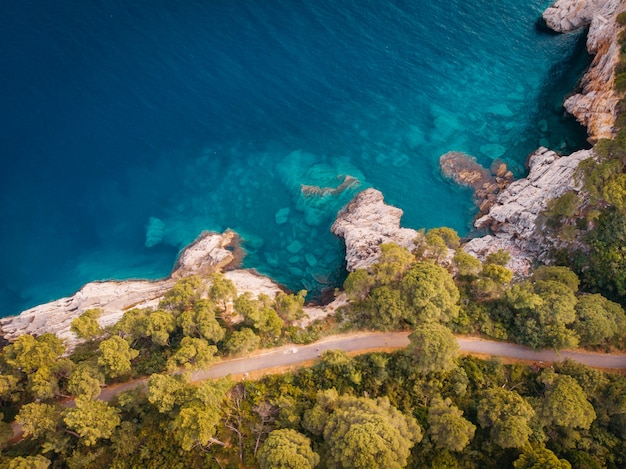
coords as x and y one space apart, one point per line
387 309
115 356
192 354
363 433
559 274
29 462
85 381
565 403
393 262
38 419
603 268
195 425
498 273
289 307
200 321
261 318
430 291
598 320
540 458
499 257
91 420
37 361
242 341
449 236
446 426
543 310
132 326
508 415
222 290
86 325
287 449
196 422
433 348
166 392
358 284
159 325
183 294
436 246
466 264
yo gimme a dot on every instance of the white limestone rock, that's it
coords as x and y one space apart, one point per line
568 15
207 254
366 223
512 219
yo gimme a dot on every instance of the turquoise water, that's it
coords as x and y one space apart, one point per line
130 127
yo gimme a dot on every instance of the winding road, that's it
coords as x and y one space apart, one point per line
270 360
273 360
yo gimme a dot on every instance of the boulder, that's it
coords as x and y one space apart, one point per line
366 223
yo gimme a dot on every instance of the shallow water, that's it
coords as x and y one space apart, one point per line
130 127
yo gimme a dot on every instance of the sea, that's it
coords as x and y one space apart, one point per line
129 127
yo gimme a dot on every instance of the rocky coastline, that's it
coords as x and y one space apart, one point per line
594 104
508 209
209 253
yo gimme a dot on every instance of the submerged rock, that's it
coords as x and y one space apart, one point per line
155 230
366 223
282 216
464 170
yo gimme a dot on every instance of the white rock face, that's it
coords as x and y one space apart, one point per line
595 105
513 217
568 15
205 255
366 223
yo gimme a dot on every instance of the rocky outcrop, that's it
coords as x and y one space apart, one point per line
594 105
512 219
568 15
207 254
366 223
464 170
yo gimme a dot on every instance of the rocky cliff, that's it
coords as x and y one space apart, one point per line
594 105
366 223
512 219
209 253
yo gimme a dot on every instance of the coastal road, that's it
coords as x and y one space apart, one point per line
272 360
364 342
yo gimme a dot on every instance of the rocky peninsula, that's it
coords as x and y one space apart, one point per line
367 222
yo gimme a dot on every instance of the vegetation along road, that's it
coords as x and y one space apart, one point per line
363 342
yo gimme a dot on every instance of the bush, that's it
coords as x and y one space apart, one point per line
620 82
621 18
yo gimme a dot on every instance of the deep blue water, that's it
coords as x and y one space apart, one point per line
128 127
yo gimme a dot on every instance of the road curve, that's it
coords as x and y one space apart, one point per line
363 342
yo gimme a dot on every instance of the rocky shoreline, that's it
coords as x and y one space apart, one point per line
508 209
